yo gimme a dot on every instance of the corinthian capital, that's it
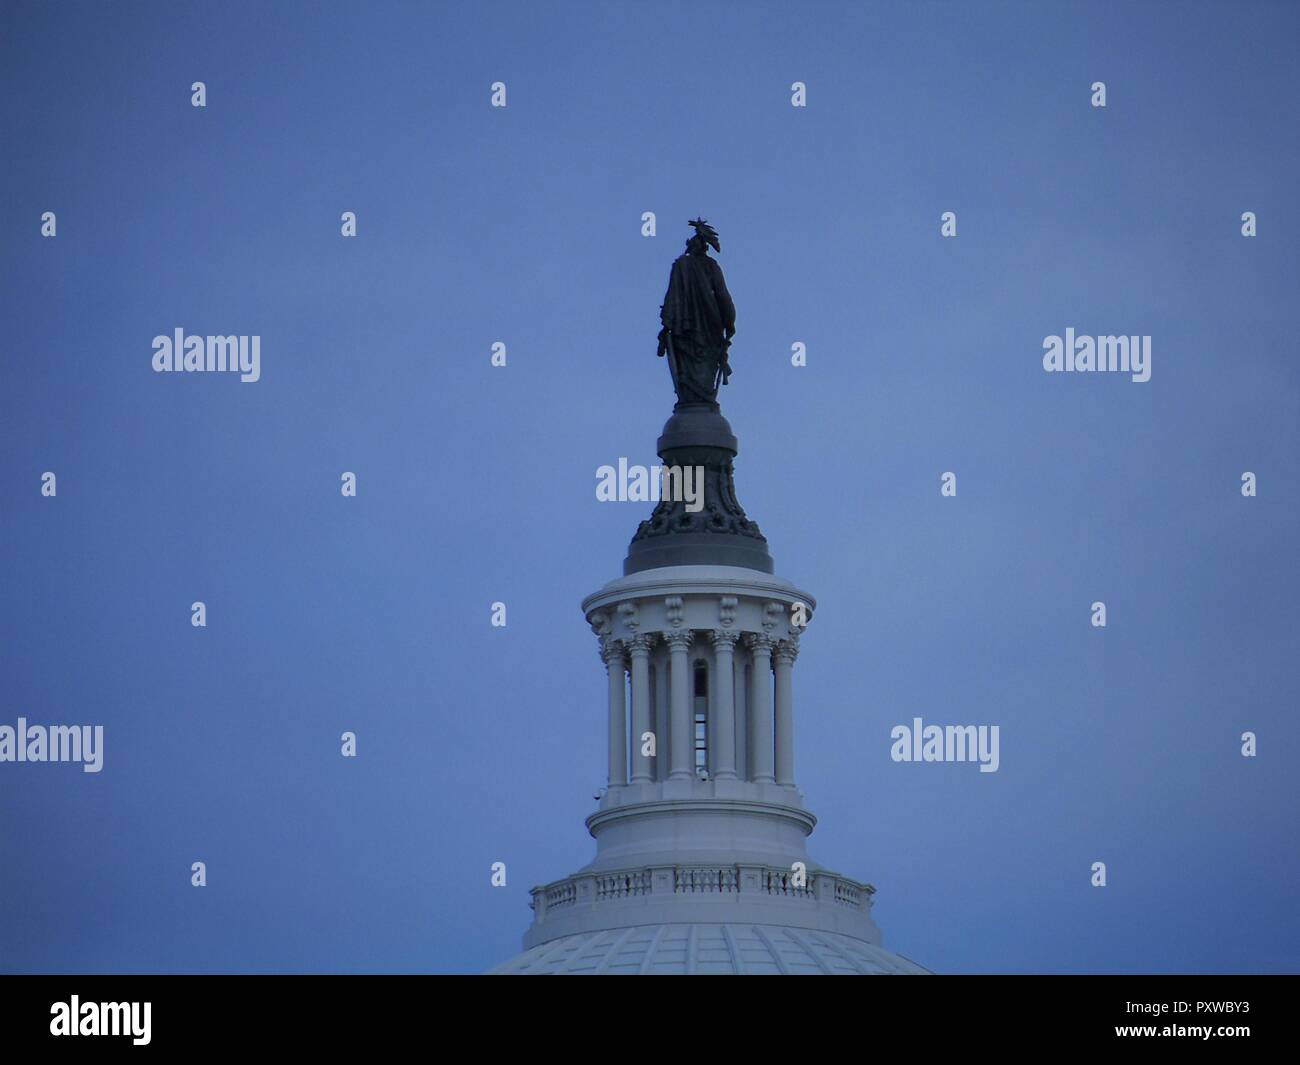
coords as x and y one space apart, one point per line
723 638
787 650
759 642
612 651
640 644
679 641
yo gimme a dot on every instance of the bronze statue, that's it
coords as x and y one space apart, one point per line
699 321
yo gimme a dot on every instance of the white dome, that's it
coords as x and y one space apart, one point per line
703 949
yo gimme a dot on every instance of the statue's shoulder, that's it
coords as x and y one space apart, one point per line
711 265
697 262
680 270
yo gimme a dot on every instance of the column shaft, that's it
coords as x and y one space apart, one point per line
663 729
740 688
613 654
784 664
640 647
760 711
680 679
724 710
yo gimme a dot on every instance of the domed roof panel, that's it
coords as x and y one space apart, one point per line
703 949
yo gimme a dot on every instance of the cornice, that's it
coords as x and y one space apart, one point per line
697 580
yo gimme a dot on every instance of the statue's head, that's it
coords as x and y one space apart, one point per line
705 235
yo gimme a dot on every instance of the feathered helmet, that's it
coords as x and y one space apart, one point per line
707 233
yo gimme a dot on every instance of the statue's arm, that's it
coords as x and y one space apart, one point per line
725 305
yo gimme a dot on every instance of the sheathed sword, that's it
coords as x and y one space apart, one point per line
724 366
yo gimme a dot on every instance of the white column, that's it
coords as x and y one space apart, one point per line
612 652
640 648
741 689
680 679
723 726
786 652
663 731
760 710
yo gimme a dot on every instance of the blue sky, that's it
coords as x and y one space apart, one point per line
476 484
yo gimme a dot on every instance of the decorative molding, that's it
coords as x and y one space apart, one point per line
628 611
721 512
727 610
771 611
701 580
676 613
783 811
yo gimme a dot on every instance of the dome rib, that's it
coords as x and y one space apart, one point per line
708 949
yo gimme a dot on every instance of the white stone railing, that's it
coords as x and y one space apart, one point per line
849 893
703 880
783 882
622 885
751 881
563 893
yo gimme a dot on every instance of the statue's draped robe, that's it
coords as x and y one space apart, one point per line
699 314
